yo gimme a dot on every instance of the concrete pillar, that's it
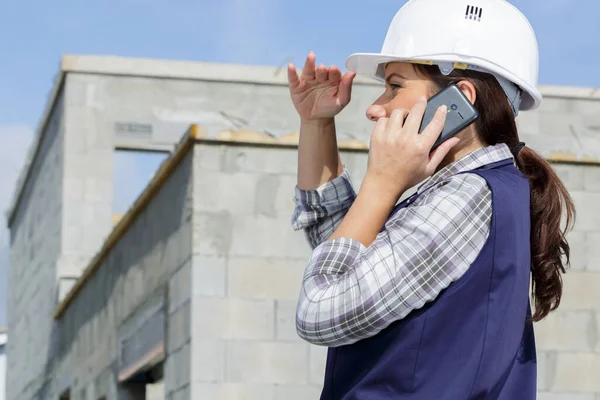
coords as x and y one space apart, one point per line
87 179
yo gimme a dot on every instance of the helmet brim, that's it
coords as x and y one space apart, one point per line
371 65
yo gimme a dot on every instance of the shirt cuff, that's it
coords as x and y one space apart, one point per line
338 191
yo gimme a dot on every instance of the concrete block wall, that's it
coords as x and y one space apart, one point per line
563 126
149 263
178 363
60 221
111 106
35 249
129 111
247 269
87 180
569 339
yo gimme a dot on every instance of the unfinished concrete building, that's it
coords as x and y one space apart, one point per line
191 293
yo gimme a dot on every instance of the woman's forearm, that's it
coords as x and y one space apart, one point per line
318 157
368 213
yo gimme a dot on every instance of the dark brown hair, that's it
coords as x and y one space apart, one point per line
550 200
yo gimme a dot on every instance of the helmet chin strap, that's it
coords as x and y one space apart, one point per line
512 91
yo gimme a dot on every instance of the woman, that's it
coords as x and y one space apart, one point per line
429 298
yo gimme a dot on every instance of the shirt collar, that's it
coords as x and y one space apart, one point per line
476 159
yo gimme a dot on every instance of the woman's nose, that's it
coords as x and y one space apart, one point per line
375 111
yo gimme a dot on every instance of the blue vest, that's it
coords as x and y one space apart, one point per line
474 340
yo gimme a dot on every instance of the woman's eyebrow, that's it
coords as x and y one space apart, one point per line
394 74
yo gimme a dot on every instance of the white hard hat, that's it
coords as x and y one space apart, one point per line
486 35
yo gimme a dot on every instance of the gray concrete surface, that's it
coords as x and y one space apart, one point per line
252 309
35 248
246 275
147 269
211 267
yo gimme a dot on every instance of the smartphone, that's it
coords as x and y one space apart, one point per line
461 113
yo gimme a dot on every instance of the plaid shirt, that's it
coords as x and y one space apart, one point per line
351 292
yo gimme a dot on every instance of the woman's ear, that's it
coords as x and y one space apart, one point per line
468 90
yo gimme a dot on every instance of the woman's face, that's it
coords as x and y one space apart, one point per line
403 87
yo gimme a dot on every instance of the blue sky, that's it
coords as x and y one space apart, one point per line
34 34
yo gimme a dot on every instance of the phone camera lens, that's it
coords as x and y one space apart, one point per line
454 107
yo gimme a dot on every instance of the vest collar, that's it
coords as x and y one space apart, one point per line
473 160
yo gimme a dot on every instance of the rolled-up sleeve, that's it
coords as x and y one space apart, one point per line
350 292
320 211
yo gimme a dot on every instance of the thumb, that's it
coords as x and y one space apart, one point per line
436 156
345 89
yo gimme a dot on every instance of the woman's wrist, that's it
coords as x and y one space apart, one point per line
321 124
383 189
367 215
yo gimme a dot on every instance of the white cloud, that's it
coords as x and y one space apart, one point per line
15 140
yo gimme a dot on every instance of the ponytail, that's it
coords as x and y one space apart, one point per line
550 200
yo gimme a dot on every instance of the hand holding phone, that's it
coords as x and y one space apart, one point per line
461 113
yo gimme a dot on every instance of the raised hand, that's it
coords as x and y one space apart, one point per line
319 93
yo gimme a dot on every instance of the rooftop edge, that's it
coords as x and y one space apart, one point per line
200 70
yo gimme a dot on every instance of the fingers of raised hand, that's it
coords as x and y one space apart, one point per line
345 92
293 79
308 73
397 121
380 130
438 155
322 73
434 128
414 118
334 73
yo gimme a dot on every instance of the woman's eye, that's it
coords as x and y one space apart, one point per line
395 86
